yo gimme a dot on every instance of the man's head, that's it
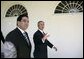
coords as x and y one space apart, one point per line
23 22
41 25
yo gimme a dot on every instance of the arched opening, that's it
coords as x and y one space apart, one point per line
69 7
16 10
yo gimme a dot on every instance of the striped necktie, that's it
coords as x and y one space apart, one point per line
26 37
43 33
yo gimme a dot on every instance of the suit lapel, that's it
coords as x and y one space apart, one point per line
40 32
20 34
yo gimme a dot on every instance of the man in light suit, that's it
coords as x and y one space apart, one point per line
41 42
17 44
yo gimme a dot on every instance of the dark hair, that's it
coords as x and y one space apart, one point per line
40 21
20 17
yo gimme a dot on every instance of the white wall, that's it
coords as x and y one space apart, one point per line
67 34
66 30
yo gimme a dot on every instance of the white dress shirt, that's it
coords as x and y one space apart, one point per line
9 48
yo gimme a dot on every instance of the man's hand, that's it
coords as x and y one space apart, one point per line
55 48
46 36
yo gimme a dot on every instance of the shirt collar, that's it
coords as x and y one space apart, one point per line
40 30
21 30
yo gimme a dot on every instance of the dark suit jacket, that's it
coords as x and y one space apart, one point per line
2 38
40 47
20 43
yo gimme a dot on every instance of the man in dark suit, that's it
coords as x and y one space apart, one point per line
2 38
17 44
2 42
41 42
